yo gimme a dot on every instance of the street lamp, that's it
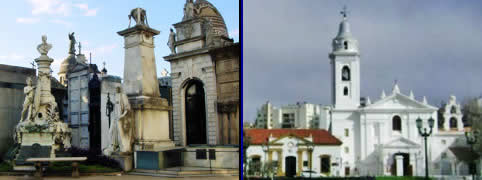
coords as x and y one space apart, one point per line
425 134
310 151
471 140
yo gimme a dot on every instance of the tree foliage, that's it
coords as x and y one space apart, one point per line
472 111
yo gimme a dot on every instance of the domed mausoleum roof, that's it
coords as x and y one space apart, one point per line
207 11
67 64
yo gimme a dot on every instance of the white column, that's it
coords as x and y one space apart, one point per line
399 161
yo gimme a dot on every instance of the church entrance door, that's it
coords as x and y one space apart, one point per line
290 166
195 113
407 168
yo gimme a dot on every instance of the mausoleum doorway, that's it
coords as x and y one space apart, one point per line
290 166
195 108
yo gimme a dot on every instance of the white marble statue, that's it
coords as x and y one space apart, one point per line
45 47
29 99
188 10
171 41
125 124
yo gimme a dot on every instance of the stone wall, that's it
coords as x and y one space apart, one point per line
12 82
227 75
198 67
78 120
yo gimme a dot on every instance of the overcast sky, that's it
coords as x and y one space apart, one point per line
432 47
95 24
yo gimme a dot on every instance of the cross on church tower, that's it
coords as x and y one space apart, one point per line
344 12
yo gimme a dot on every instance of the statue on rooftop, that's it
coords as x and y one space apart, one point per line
139 15
171 41
72 43
188 10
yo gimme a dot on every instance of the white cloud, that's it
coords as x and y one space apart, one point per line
27 20
12 56
62 22
51 7
101 51
87 11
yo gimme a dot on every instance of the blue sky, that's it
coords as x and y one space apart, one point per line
95 24
432 47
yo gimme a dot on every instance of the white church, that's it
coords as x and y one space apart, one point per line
379 136
382 138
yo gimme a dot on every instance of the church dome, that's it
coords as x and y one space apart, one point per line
207 11
67 63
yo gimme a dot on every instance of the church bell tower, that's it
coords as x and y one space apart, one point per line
345 65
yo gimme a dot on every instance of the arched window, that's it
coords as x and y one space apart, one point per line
345 44
325 164
345 73
345 91
396 123
453 110
453 123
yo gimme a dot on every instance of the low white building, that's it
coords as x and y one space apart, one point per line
289 151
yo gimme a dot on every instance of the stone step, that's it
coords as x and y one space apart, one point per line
176 173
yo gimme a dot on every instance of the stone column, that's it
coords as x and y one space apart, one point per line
399 161
300 162
149 110
280 162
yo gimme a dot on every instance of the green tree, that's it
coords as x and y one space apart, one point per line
472 111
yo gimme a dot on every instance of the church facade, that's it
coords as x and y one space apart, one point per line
381 138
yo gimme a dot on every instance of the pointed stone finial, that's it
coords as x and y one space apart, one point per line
395 89
369 101
411 95
383 94
425 100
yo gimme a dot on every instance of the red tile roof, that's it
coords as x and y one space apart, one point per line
320 137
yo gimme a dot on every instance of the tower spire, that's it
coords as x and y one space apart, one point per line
344 12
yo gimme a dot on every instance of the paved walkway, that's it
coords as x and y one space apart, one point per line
125 177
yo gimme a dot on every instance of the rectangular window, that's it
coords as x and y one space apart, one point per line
347 132
347 150
212 154
305 163
201 154
288 120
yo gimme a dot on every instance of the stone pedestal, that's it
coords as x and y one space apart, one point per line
399 161
125 160
150 112
140 77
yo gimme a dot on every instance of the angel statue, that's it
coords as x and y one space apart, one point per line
72 43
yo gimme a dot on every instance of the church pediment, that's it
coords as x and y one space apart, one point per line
400 102
401 143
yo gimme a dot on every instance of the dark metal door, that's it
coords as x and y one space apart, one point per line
195 114
290 166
